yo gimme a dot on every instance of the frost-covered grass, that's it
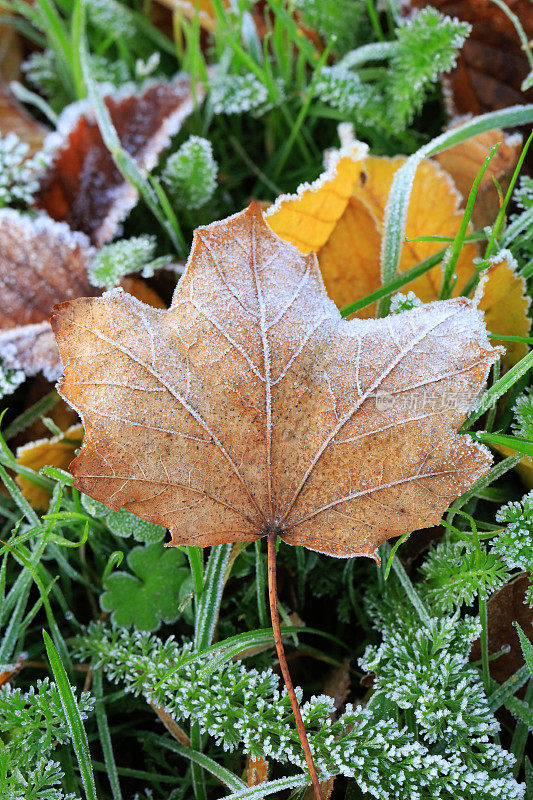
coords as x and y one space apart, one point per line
169 653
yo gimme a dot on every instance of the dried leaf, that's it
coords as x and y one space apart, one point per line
41 263
10 53
349 250
492 64
57 451
504 608
506 303
464 160
15 119
251 406
83 186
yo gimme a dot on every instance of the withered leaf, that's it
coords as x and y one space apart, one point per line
251 406
15 119
83 186
492 64
503 609
42 262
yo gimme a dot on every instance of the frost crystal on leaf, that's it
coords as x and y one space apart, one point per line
191 173
83 186
41 262
19 174
242 708
121 258
523 415
404 302
236 94
515 543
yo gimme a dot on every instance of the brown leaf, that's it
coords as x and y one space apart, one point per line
492 64
10 53
15 119
326 787
504 608
42 262
83 186
464 160
251 406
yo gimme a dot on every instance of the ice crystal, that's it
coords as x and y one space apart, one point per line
244 709
10 380
344 90
19 173
191 173
515 543
427 670
40 69
113 18
428 45
523 196
121 258
404 302
237 94
32 724
523 415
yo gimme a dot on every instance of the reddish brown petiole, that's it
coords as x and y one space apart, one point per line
274 614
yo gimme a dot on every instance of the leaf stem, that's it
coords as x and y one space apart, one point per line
274 614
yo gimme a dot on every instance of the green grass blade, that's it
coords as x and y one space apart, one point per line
105 736
222 774
513 442
270 787
75 723
209 604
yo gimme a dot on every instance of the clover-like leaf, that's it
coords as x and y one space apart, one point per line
152 594
123 523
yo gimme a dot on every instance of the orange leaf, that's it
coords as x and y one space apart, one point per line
308 218
250 407
54 452
524 466
256 770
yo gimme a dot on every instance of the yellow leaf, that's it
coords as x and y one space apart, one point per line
524 467
308 218
55 452
506 303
